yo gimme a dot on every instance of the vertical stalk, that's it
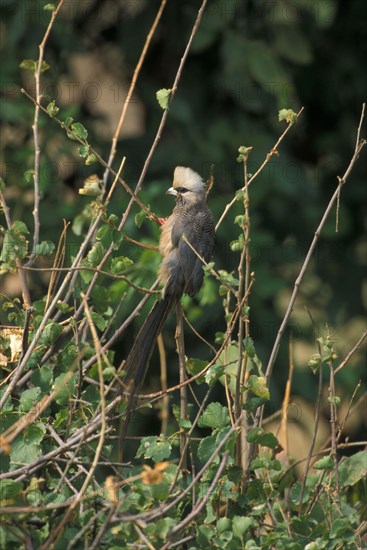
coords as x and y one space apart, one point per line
183 387
243 328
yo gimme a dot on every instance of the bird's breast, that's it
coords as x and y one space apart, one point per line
165 246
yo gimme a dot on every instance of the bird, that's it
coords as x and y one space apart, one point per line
187 238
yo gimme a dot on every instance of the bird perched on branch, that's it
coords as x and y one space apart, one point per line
187 239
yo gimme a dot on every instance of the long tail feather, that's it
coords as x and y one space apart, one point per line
138 360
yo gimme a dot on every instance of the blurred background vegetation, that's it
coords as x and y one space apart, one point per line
249 59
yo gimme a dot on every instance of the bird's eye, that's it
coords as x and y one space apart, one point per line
181 189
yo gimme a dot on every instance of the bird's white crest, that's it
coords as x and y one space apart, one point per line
186 177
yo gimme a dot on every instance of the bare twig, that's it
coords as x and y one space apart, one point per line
149 157
55 535
164 411
283 428
333 422
244 276
352 352
200 503
22 277
37 147
131 91
358 147
162 510
316 420
183 389
273 151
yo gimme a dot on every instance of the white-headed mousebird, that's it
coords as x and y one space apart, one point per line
181 269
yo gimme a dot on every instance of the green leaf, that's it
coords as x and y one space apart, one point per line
49 7
334 400
325 463
34 433
29 175
288 115
156 448
120 264
139 218
109 373
215 416
240 195
241 524
207 447
185 424
213 374
91 159
267 439
163 97
315 362
29 398
291 43
44 248
28 65
194 366
91 187
44 67
52 109
26 447
60 418
249 347
50 333
99 321
20 227
341 528
224 524
10 489
68 121
96 254
257 384
243 153
65 390
14 244
238 245
100 299
263 65
42 377
352 469
326 13
78 132
83 151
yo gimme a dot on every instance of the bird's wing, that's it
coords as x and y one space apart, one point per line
197 225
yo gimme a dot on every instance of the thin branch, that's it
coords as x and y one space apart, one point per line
22 278
273 151
101 161
200 503
162 510
131 91
93 270
180 343
134 193
358 147
164 410
37 147
316 420
55 535
351 353
333 422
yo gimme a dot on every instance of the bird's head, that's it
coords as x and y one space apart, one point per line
187 186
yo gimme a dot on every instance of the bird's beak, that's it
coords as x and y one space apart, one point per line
171 191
